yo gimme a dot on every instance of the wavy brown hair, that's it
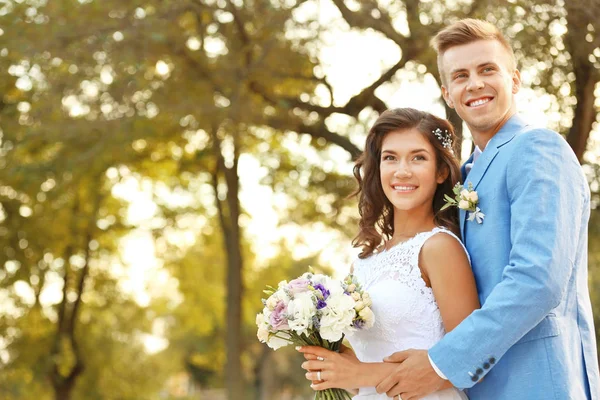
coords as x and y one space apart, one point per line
376 211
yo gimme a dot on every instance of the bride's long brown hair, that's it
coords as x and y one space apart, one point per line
376 212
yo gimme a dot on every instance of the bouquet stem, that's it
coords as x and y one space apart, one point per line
327 394
332 394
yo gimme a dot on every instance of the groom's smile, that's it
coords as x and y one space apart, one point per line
479 102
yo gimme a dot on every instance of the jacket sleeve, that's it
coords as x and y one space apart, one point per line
547 192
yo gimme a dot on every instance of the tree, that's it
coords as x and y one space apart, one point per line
584 48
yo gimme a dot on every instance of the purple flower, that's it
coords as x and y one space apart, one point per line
298 285
323 290
316 322
321 304
359 324
278 318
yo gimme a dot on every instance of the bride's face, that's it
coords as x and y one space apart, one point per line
408 170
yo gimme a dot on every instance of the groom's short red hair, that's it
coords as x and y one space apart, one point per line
466 31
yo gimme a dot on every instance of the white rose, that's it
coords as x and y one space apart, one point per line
263 334
280 295
473 197
351 288
464 194
463 205
356 296
367 315
263 327
300 312
337 317
267 314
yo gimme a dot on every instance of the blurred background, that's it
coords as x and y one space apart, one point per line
161 161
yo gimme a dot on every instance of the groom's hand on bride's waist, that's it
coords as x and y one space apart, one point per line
413 378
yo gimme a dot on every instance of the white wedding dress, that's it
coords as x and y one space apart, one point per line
406 314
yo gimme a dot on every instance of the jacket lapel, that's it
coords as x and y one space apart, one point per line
480 167
503 136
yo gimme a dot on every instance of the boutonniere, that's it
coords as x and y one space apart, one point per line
465 199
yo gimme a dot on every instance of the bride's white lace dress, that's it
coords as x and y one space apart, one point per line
406 314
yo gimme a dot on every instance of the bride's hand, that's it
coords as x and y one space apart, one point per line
336 370
309 356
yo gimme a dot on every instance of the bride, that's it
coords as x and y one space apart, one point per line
412 264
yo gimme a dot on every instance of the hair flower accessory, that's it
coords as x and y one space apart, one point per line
466 199
444 137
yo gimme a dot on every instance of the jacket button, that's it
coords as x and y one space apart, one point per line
475 378
479 371
492 360
486 365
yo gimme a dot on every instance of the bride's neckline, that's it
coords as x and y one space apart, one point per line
384 250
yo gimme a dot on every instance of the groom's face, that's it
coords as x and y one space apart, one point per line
480 81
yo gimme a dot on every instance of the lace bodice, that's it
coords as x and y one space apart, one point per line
406 314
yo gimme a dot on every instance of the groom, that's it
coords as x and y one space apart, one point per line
533 337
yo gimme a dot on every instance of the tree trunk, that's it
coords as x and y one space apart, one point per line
229 213
457 123
584 115
264 383
63 392
234 293
586 76
68 314
451 115
63 386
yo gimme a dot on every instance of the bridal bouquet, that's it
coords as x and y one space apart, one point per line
314 310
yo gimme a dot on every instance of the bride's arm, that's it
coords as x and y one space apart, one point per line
446 269
341 370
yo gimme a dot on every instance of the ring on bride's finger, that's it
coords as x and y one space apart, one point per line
319 375
320 358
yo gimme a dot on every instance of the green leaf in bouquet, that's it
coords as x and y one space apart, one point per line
449 199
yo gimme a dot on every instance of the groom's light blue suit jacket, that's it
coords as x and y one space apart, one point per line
533 337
